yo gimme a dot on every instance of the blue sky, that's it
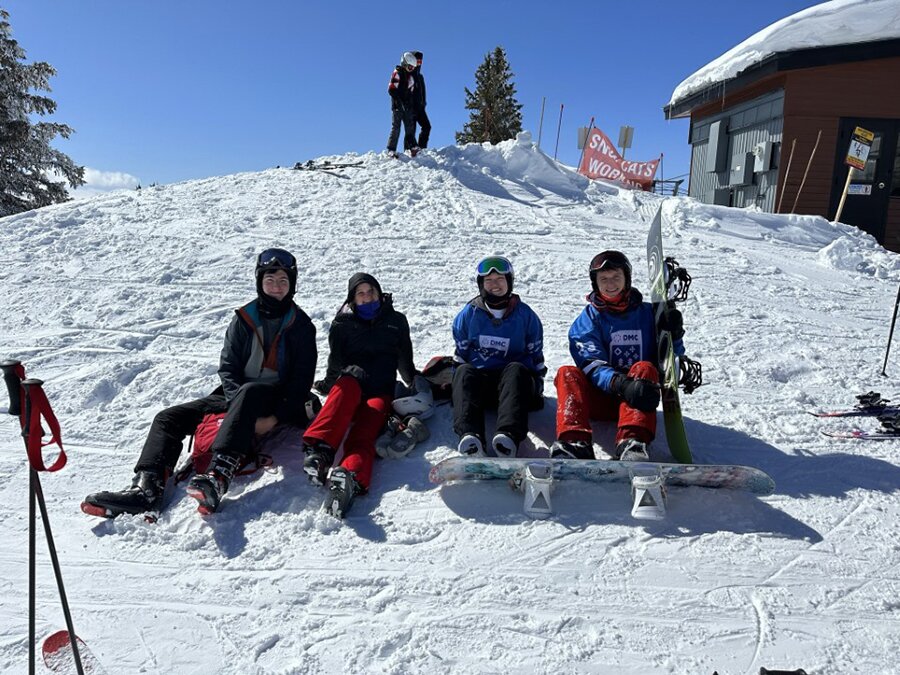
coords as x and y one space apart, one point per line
166 91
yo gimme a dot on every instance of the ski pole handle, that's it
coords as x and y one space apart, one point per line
13 374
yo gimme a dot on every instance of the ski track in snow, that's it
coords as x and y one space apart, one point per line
120 302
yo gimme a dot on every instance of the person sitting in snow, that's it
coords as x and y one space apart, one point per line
266 367
615 376
369 342
401 89
500 362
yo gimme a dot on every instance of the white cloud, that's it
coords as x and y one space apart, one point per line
99 182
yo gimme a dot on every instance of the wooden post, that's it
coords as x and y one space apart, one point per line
786 173
541 123
808 164
840 209
558 127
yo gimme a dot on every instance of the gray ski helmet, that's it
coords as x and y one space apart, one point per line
276 259
409 59
610 260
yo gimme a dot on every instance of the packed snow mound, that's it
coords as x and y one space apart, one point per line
827 24
120 303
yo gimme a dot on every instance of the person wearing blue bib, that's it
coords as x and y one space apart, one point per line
499 362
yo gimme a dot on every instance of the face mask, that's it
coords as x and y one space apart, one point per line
369 310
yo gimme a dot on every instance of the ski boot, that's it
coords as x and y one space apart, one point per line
504 445
145 494
342 488
890 423
632 450
572 450
400 438
209 488
319 457
471 445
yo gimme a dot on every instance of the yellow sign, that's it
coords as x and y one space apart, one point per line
860 144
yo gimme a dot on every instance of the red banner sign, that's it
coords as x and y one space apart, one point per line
602 160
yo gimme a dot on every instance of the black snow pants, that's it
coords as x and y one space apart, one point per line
235 437
424 127
510 391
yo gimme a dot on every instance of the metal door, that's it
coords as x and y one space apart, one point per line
867 200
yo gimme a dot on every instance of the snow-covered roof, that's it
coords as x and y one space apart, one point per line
839 22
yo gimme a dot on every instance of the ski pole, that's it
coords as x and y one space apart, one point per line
18 388
890 335
13 374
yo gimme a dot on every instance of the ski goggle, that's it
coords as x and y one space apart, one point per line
276 258
497 264
610 260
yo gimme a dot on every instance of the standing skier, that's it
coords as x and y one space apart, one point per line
615 377
500 362
369 342
266 367
401 89
419 102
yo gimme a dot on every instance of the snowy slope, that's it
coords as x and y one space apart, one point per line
838 22
120 302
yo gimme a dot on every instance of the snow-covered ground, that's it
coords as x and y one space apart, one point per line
120 303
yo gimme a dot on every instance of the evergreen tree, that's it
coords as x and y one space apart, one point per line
495 112
28 164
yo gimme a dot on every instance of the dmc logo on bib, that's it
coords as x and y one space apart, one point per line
494 343
626 348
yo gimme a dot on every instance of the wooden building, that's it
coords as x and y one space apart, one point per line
745 131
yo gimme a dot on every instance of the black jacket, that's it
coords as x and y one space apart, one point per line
292 354
380 347
398 88
417 96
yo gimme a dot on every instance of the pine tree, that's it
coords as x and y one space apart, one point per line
28 164
495 112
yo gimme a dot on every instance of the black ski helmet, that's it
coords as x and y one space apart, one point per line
610 260
276 259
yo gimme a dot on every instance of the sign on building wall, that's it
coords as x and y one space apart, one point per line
602 160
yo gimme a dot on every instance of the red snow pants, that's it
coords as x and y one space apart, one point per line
579 402
347 408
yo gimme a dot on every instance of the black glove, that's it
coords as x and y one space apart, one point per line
355 372
642 395
672 321
321 387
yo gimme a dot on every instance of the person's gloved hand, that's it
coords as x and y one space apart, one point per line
355 372
642 395
321 387
672 321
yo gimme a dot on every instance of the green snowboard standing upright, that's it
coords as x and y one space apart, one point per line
668 362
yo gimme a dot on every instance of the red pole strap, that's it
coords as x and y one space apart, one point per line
40 407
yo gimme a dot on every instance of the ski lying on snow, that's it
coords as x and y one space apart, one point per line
861 435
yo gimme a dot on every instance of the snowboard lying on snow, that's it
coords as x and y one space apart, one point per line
648 480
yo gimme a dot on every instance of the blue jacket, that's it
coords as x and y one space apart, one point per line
486 342
604 342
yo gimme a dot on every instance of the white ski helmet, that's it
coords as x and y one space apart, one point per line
409 59
419 404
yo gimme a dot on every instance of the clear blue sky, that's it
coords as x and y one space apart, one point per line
167 90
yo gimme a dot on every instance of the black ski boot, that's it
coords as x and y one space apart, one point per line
209 488
632 450
319 458
145 494
572 450
342 488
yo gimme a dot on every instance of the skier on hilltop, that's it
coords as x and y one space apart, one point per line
401 89
500 362
266 367
369 342
615 377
